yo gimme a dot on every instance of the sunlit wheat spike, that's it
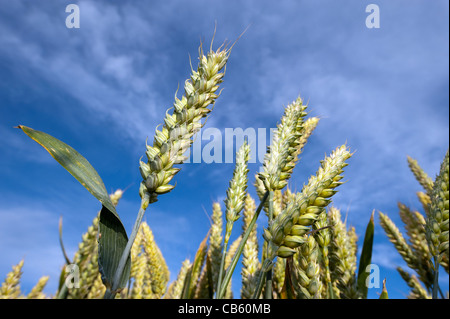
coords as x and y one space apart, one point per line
310 283
157 269
11 286
323 239
176 288
420 175
307 129
237 190
437 221
417 290
342 254
250 261
137 291
415 229
425 200
37 291
175 137
215 242
287 230
86 258
396 237
98 289
282 154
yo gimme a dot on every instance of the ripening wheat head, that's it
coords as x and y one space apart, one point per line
175 137
437 221
288 229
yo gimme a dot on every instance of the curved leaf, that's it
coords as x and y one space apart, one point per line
112 234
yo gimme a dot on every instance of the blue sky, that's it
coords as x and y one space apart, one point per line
103 88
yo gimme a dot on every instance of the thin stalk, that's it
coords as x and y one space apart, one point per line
63 292
436 278
222 266
230 270
268 292
110 294
330 291
261 277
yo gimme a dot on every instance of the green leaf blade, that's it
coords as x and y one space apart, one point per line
112 236
366 257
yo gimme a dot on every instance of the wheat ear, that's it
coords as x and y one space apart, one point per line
437 221
420 175
310 283
250 261
414 225
322 236
282 154
236 193
173 140
287 230
37 291
176 288
342 257
215 243
11 286
417 291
